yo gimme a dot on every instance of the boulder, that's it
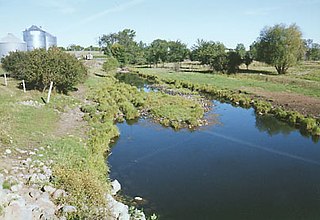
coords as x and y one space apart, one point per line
117 209
17 210
115 187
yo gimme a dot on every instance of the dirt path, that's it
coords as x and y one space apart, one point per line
71 121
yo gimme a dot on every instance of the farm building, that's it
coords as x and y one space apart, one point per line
35 38
11 43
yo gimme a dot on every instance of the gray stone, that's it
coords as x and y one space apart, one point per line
48 189
69 209
59 193
33 193
17 187
17 210
115 187
46 205
118 210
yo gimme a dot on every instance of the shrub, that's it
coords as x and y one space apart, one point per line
110 64
39 67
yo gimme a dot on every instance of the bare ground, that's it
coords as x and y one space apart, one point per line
292 101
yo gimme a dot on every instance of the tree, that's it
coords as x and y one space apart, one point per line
110 64
241 50
177 51
280 46
312 50
209 53
158 51
39 67
233 61
74 47
123 42
248 58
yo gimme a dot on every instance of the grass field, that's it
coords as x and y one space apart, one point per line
303 79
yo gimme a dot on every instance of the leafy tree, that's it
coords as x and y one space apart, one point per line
74 47
110 64
280 46
39 67
248 59
312 50
241 50
210 53
158 51
122 46
177 51
233 61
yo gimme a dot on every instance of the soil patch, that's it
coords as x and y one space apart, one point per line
292 101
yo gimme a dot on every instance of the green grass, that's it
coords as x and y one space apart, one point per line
303 79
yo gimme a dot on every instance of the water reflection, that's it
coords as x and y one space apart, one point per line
272 126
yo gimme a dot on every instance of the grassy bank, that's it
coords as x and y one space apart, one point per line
79 157
235 90
304 79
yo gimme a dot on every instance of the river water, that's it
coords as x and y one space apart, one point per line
243 167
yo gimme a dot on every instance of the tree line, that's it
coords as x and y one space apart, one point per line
281 46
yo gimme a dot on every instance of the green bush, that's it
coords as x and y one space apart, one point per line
110 64
39 67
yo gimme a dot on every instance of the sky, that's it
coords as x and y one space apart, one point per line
227 21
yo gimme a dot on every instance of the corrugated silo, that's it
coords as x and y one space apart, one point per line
11 43
34 37
51 41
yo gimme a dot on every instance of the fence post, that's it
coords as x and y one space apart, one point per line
5 79
24 86
49 93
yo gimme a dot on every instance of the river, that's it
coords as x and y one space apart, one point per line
243 167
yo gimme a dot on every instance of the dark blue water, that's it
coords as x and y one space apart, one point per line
242 168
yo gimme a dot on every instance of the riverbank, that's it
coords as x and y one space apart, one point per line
48 150
234 93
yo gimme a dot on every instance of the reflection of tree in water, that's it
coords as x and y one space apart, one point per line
271 125
131 79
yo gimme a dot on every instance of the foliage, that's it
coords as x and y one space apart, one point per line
234 61
248 58
280 46
312 50
177 51
241 50
40 67
122 46
305 123
110 64
158 51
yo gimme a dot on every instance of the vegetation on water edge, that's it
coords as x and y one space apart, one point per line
120 101
307 124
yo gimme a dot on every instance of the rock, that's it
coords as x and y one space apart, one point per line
68 209
48 189
17 187
34 193
38 178
8 151
46 205
17 210
137 198
117 209
115 187
59 193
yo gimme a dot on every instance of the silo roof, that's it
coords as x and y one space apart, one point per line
10 38
34 28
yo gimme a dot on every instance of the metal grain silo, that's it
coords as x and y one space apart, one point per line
34 37
51 41
11 43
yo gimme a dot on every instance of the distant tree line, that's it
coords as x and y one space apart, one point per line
281 46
